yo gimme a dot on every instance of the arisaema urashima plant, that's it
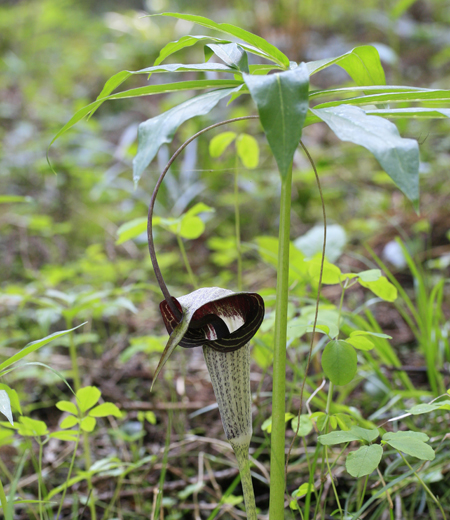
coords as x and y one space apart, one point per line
246 64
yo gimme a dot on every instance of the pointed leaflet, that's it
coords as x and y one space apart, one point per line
160 130
282 101
232 55
362 64
268 49
399 157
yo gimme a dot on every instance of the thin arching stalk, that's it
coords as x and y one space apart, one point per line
317 300
151 246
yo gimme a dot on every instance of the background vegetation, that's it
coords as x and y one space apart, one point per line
61 265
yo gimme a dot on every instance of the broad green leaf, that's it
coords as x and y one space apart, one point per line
232 55
407 434
362 462
282 102
220 142
190 227
33 346
399 157
268 49
360 342
331 273
67 406
372 275
132 229
160 130
68 435
355 433
31 427
368 333
13 398
305 427
429 407
87 397
303 490
344 421
88 424
5 406
362 64
267 424
105 409
382 288
268 249
248 150
410 444
69 422
339 362
320 418
374 89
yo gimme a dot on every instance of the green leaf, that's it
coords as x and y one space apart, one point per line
31 427
248 151
362 64
13 398
355 433
282 102
411 113
339 362
69 422
368 333
406 434
5 406
33 346
160 130
372 275
360 342
305 427
68 435
420 409
303 490
232 55
399 157
88 424
87 397
185 41
363 461
220 142
105 409
331 273
268 49
267 424
410 444
67 406
131 229
392 96
382 288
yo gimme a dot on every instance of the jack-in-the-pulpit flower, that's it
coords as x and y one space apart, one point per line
222 322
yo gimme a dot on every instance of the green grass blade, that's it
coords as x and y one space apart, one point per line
33 346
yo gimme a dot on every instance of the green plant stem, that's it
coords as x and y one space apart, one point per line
40 478
329 399
69 474
3 500
237 225
277 452
336 495
73 356
427 489
186 262
363 492
241 452
88 464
